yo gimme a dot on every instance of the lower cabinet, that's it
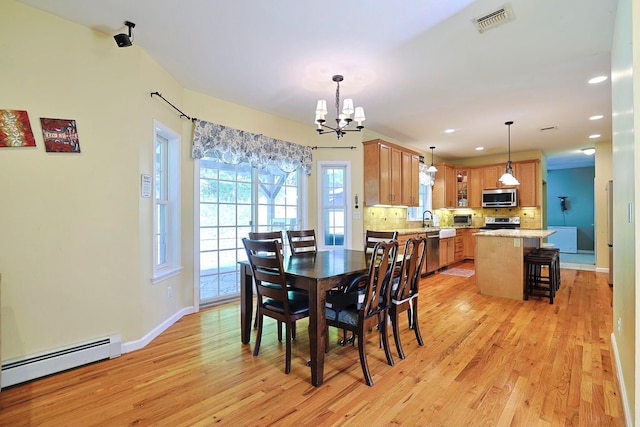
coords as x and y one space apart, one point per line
469 243
447 251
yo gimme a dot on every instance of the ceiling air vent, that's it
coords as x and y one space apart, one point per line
495 18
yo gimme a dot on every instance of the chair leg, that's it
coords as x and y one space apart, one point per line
256 349
416 325
382 325
255 320
293 331
287 360
363 359
279 330
396 332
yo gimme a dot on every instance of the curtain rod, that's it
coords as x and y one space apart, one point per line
174 107
339 146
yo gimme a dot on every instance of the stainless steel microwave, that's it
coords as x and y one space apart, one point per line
500 198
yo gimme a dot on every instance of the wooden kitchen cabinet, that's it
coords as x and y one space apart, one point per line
445 187
458 247
491 174
527 173
469 243
475 187
383 173
462 188
410 180
447 251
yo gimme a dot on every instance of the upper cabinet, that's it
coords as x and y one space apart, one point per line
390 174
475 187
410 180
445 187
461 188
527 172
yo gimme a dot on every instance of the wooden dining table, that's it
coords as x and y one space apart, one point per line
315 273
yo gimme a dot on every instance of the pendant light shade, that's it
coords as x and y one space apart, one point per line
432 169
507 178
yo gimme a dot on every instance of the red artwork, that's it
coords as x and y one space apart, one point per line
60 135
15 129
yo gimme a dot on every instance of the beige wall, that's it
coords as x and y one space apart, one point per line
625 58
604 173
75 252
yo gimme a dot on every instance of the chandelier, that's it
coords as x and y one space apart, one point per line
344 119
507 178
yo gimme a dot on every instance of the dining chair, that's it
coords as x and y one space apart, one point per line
372 237
302 241
404 290
267 235
275 300
361 310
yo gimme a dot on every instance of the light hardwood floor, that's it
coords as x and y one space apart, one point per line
486 361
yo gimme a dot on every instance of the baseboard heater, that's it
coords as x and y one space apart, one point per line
40 365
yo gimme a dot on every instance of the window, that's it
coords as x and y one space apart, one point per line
333 200
415 214
166 200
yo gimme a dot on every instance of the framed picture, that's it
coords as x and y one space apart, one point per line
15 129
60 135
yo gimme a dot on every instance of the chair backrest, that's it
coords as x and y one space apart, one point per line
265 257
266 235
381 271
413 257
302 241
373 237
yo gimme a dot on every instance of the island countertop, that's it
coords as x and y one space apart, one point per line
524 233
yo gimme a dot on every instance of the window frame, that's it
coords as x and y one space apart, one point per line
348 224
170 200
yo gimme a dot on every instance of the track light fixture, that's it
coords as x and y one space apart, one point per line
123 40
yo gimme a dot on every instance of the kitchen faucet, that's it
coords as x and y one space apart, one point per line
430 217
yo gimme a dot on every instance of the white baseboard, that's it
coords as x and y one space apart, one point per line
623 391
141 343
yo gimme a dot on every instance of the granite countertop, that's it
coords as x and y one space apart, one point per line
535 234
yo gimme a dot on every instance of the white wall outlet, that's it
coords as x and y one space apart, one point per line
169 292
619 324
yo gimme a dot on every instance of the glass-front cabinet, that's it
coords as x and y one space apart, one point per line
462 189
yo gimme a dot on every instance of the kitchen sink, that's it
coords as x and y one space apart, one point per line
447 232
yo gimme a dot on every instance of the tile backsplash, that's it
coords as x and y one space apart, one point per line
379 218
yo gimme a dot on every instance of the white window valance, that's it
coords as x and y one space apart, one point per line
235 146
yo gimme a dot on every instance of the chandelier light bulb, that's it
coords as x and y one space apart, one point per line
348 107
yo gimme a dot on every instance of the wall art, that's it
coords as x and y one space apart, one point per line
15 129
60 135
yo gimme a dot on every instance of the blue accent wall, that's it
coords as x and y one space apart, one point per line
577 185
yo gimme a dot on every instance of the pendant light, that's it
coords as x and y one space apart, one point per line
432 169
507 178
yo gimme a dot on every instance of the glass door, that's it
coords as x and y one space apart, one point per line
236 199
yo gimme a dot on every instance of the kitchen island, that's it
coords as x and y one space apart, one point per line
499 260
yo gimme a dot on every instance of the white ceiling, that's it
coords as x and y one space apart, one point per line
417 67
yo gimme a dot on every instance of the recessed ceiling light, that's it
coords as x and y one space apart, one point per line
596 117
598 79
595 135
589 151
449 130
479 148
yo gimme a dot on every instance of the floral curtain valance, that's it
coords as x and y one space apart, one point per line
235 146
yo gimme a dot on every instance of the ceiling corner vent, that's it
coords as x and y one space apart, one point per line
494 18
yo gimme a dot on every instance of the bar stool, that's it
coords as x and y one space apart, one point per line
556 265
537 283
